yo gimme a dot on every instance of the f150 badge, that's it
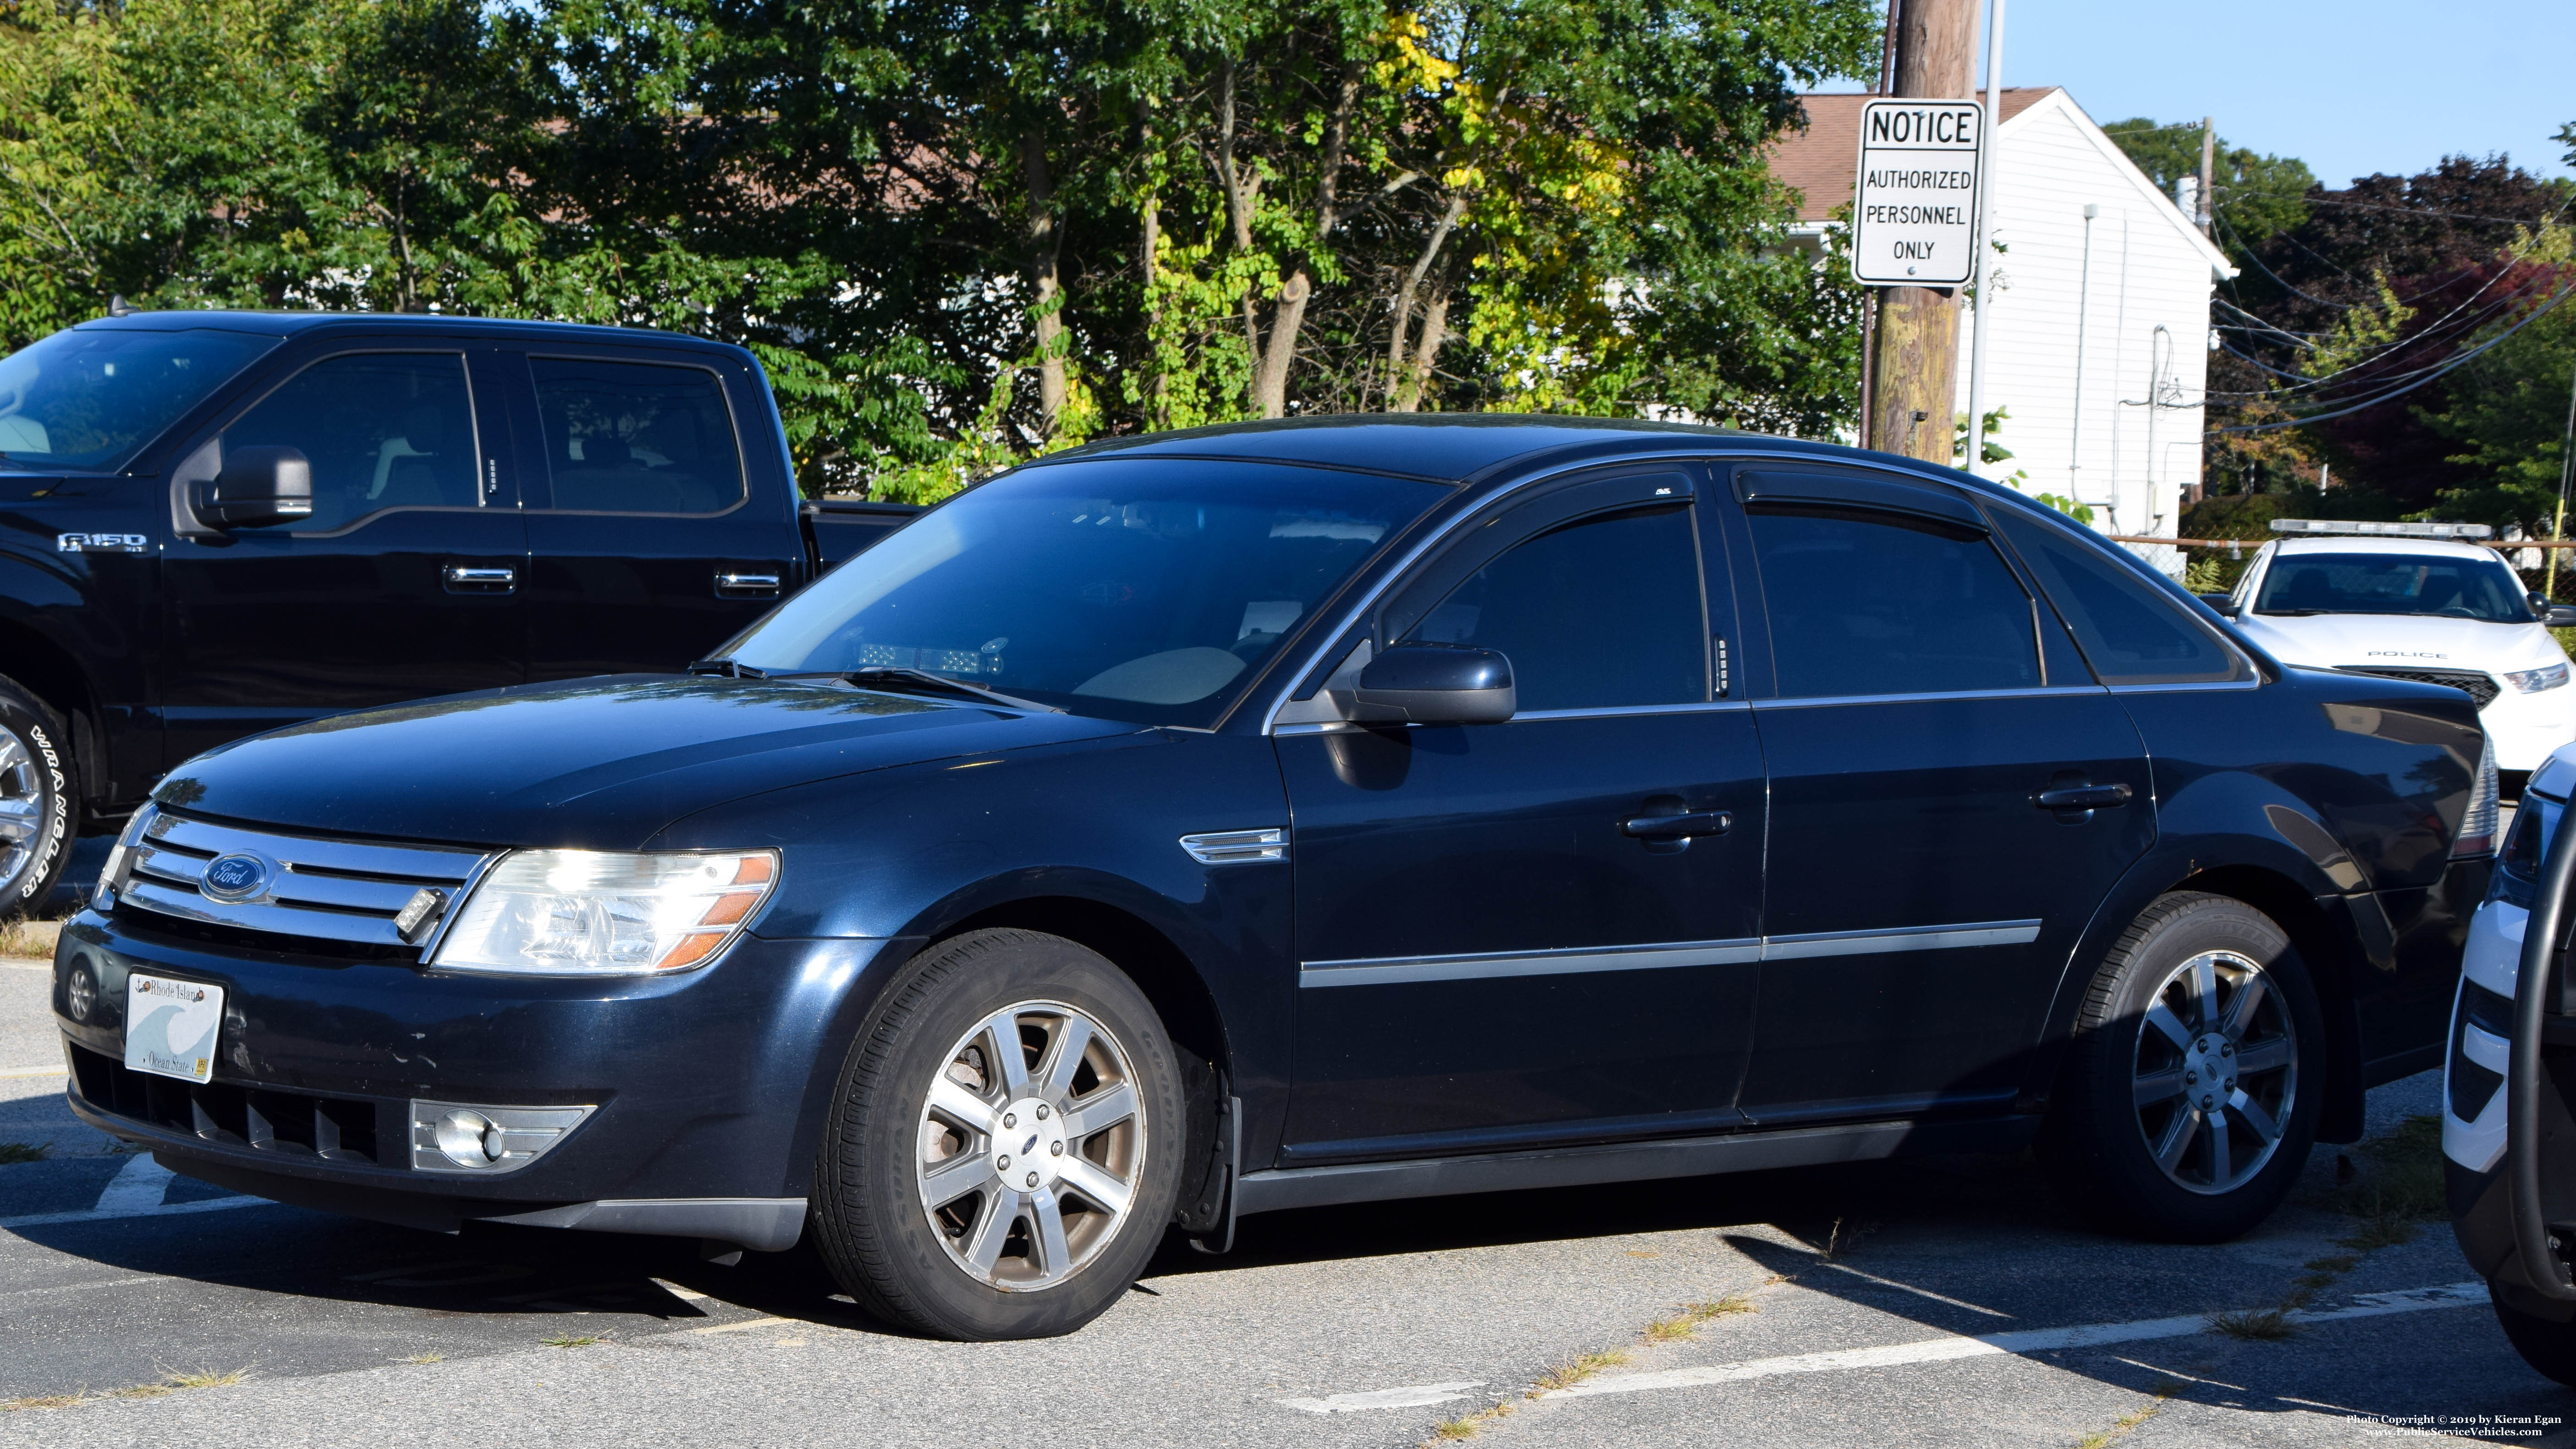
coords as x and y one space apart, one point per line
102 543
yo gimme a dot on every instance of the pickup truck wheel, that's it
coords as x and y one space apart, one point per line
1004 1149
2191 1094
39 807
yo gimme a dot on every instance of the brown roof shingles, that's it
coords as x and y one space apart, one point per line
1819 160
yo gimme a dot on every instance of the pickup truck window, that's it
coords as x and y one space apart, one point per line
1599 614
381 430
1139 590
1886 603
87 399
636 437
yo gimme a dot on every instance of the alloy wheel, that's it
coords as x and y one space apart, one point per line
22 806
2215 1072
1032 1146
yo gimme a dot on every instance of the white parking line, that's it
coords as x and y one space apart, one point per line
2036 1340
93 1215
139 1184
1413 1396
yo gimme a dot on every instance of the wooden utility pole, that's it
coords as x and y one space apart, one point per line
1914 361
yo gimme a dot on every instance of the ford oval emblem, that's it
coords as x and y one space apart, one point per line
236 877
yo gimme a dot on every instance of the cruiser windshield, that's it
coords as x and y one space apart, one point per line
86 399
1145 590
2393 583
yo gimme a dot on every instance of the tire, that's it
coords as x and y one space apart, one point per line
2156 1061
2550 1348
1019 1232
40 810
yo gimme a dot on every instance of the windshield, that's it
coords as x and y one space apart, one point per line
2393 583
1136 589
86 399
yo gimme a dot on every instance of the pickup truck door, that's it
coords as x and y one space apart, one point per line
662 519
403 583
1542 930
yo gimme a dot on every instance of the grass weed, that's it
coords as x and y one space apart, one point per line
2255 1325
13 1153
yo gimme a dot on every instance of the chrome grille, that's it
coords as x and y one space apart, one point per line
326 890
2480 688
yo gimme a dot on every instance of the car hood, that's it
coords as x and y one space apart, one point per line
2400 641
602 763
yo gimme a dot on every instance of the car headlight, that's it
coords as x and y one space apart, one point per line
604 913
2533 681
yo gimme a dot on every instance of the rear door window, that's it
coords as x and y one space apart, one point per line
2130 632
1863 603
636 437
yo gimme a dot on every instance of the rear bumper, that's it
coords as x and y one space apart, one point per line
702 1084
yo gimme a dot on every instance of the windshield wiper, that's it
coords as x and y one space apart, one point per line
2292 613
883 674
727 669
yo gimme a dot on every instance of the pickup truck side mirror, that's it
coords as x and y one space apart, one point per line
1436 684
2225 604
259 487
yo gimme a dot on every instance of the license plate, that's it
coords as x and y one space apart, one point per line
170 1026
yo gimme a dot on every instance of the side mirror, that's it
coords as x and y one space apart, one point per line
2223 603
259 487
2559 616
1435 684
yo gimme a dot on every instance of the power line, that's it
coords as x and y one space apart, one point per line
2543 310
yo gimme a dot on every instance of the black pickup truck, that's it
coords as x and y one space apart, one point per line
217 523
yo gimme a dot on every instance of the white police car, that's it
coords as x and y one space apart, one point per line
2517 1233
2415 601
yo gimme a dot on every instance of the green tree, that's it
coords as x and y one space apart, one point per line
2253 196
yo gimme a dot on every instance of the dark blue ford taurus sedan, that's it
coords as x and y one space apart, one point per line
1261 817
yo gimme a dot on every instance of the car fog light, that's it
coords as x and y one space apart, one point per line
457 1137
470 1139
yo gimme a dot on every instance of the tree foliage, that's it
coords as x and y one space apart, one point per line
959 235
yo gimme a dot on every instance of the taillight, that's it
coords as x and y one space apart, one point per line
2478 823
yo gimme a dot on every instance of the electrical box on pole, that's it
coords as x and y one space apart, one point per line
1914 217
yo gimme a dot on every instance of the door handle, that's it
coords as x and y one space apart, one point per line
2082 797
746 585
1676 827
469 578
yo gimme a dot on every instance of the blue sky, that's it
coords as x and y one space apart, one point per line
2349 86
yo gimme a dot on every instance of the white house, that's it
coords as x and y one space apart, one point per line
2101 344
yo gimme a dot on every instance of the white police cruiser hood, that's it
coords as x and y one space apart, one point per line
2400 641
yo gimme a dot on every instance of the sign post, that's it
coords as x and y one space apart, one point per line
1914 217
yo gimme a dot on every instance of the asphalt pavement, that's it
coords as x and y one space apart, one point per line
1932 1302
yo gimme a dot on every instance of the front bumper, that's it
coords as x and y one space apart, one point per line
704 1083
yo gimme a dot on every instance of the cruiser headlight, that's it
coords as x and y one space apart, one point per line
2533 681
604 913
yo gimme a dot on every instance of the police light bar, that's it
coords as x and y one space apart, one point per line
2382 530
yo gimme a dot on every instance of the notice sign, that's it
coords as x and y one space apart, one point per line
1914 216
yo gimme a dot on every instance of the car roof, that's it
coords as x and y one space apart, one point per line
2354 543
299 324
1451 447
